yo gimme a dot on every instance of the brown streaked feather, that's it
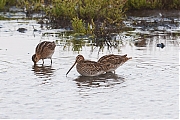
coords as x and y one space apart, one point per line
113 61
87 68
44 50
45 44
51 45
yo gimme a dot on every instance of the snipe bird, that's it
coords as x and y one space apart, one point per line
87 68
44 50
113 61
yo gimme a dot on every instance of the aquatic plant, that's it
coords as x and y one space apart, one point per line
2 4
78 25
153 4
86 16
175 4
95 18
30 5
11 2
77 44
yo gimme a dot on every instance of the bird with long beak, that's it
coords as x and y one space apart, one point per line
87 68
44 50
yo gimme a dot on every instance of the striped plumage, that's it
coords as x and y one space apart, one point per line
87 68
44 50
113 61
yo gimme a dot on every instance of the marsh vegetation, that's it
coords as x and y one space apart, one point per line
95 18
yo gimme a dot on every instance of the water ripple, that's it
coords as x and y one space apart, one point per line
43 71
106 80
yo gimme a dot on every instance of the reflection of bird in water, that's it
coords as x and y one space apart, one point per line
35 30
86 67
43 51
104 80
43 71
140 43
113 61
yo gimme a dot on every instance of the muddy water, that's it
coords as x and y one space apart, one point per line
144 87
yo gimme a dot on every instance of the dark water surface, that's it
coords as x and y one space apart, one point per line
144 87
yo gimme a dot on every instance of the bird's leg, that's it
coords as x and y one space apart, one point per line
43 61
51 61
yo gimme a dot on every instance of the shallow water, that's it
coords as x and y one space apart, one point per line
144 87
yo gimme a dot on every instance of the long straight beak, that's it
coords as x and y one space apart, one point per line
129 58
71 67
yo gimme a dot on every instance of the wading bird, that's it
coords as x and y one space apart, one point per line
44 50
87 68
